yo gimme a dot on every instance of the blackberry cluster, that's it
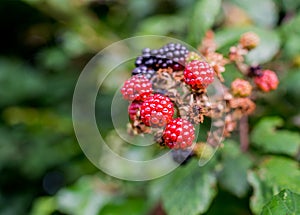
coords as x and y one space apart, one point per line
171 55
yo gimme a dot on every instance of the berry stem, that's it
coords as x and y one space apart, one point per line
244 133
242 67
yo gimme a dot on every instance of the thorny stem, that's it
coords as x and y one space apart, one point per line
244 133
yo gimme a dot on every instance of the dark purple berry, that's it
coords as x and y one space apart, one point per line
171 55
143 70
182 156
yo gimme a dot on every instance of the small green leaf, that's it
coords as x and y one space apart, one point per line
203 18
190 191
285 202
233 176
266 137
274 174
261 192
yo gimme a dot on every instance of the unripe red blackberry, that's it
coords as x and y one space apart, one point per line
133 110
157 111
240 87
136 88
249 40
198 74
267 81
179 133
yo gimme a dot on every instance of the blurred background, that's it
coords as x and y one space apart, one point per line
45 44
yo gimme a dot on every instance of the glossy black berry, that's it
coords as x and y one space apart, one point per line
143 70
171 55
255 71
182 156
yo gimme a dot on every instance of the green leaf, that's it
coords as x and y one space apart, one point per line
191 190
274 174
285 202
84 197
263 13
291 33
43 206
18 81
291 85
266 137
233 176
261 192
162 25
268 47
132 206
203 18
280 172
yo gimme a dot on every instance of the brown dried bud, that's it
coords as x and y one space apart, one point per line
236 53
241 87
217 62
249 40
230 125
203 150
208 44
245 105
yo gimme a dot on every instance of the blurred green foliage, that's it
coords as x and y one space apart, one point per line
46 43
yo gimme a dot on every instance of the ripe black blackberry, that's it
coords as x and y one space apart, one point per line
171 55
255 71
182 156
143 70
